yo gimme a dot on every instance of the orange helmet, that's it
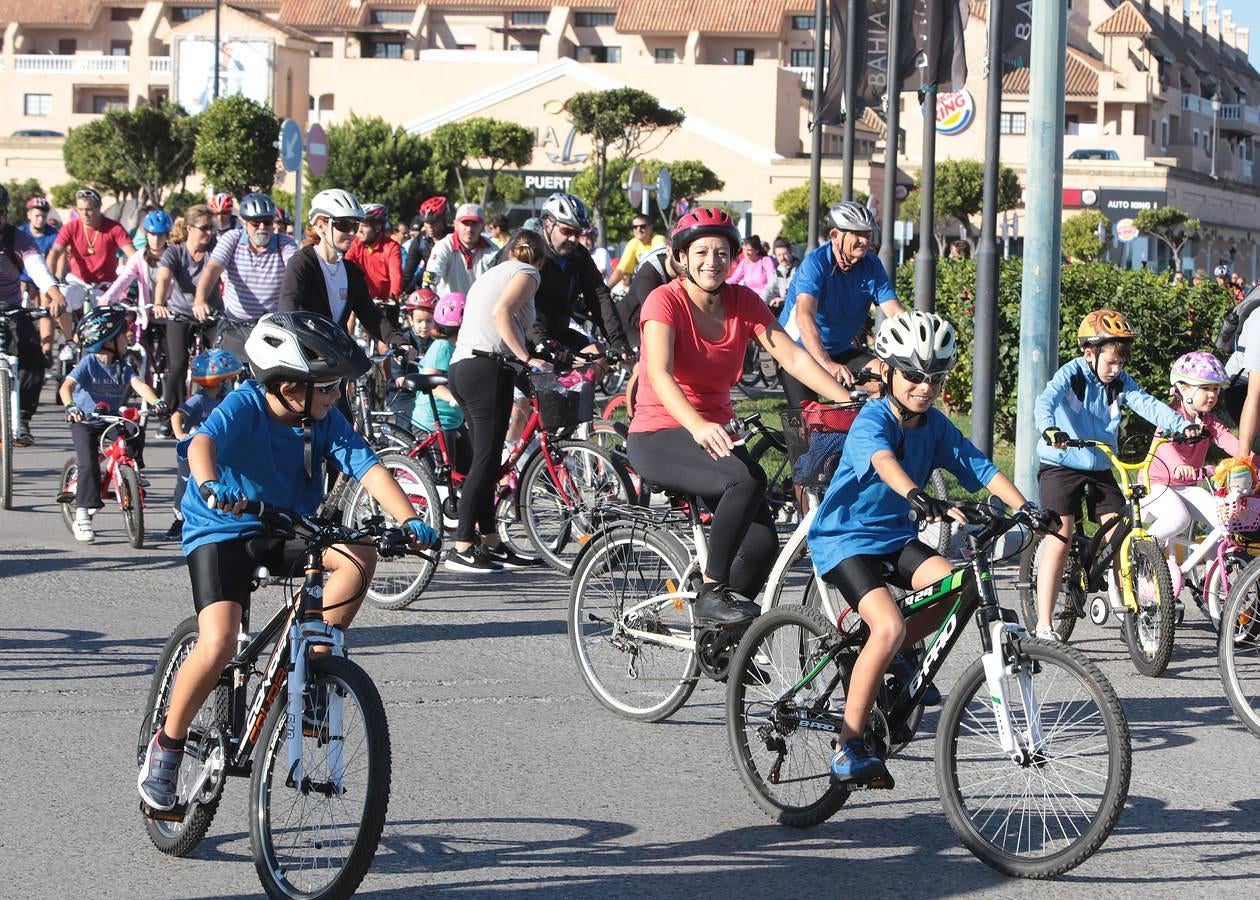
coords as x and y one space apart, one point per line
1103 326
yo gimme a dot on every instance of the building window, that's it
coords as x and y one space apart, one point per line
188 13
124 14
384 49
529 18
802 23
744 56
525 48
67 47
1013 123
665 55
594 19
324 49
392 16
39 104
103 103
801 59
599 54
1163 132
120 48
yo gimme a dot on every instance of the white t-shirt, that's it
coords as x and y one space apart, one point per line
602 261
337 284
479 331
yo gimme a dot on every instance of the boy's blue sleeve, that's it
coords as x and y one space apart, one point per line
347 450
963 459
79 373
438 356
1048 399
1158 414
869 434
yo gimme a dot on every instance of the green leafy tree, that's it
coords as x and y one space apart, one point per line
1080 236
793 206
619 123
689 179
471 154
62 195
19 193
960 195
236 145
508 189
377 162
1170 226
176 201
95 155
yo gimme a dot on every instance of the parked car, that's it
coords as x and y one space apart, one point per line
37 132
1093 154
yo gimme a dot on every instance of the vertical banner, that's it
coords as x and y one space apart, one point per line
833 102
946 50
1016 35
874 76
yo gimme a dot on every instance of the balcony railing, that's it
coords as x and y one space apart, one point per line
47 64
159 65
1231 112
806 73
520 57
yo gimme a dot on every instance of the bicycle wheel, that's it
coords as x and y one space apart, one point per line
1238 648
207 735
400 580
937 535
1072 589
6 436
132 506
561 516
751 373
768 451
1148 633
612 616
1218 587
67 486
778 672
1049 811
317 838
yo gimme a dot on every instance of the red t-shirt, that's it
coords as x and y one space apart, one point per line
381 265
705 370
94 261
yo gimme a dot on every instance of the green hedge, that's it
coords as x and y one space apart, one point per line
1171 318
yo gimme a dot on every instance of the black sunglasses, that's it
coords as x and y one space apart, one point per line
262 222
639 227
916 377
328 389
345 226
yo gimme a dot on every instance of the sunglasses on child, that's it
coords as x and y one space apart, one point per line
328 388
916 377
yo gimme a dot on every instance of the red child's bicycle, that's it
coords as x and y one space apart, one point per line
120 474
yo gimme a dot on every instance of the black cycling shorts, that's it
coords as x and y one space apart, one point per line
857 576
223 570
1062 490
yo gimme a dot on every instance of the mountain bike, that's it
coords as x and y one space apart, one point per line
312 737
1140 591
9 419
1238 648
1032 752
120 475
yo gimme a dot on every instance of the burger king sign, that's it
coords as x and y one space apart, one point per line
954 111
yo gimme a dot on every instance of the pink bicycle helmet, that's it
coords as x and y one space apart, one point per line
449 312
1198 367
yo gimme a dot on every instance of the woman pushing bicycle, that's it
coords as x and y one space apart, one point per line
269 441
694 331
864 525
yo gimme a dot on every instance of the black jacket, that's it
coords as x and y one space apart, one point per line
576 287
304 288
417 259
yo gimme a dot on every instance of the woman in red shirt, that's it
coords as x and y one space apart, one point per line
694 331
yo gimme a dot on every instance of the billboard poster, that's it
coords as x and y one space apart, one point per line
245 67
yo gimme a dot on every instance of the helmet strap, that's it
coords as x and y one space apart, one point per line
908 418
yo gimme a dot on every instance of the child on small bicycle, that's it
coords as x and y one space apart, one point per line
268 440
448 315
213 371
100 382
418 333
864 526
1084 401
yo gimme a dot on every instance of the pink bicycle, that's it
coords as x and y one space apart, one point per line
120 474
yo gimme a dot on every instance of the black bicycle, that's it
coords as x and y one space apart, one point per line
312 737
1032 748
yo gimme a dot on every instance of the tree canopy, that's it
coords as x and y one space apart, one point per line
689 179
960 195
793 205
1168 225
470 155
1080 236
236 145
378 163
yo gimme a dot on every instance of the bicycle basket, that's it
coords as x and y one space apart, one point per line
1240 513
564 401
814 437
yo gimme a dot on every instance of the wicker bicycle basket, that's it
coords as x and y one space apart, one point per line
564 401
814 436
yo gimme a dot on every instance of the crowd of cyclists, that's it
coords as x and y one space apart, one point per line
457 299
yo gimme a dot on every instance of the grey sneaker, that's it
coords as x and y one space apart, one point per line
159 776
24 438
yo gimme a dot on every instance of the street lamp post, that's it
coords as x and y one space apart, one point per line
1216 111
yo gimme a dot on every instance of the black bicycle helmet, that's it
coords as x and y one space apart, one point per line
101 326
303 346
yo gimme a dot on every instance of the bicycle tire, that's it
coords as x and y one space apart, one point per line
511 530
397 582
355 802
6 436
180 838
558 527
610 436
1073 586
750 374
68 484
966 740
785 769
768 451
1149 632
132 506
1238 648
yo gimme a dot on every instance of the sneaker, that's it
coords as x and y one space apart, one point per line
176 530
509 558
144 482
83 526
718 604
472 561
853 762
904 667
1045 633
164 430
24 437
159 776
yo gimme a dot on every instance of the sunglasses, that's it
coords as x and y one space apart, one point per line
638 228
261 223
566 231
345 226
328 388
916 377
202 227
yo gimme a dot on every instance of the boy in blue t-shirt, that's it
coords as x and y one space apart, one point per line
254 446
1084 400
863 522
101 382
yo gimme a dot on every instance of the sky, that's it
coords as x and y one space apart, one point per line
1247 14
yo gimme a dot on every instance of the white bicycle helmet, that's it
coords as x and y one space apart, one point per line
849 215
336 204
303 346
566 209
916 341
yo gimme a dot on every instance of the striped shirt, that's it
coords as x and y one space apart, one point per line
252 280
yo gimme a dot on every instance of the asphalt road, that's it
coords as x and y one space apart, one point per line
508 778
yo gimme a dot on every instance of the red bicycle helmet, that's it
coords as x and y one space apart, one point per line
434 208
704 221
38 203
221 202
376 213
422 299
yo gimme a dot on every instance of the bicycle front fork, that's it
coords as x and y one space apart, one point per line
1003 659
304 635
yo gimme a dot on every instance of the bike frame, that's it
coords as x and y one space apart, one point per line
114 455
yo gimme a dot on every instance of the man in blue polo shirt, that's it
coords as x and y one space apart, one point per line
831 295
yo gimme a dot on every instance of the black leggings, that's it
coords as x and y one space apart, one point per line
483 388
87 439
24 338
743 542
796 393
178 338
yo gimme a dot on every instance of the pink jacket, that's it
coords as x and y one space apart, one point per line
1170 456
754 275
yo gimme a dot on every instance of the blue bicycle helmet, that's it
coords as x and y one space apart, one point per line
214 366
101 326
158 222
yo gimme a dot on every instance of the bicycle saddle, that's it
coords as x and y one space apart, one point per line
422 384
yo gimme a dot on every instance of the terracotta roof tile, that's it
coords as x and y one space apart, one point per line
509 5
58 12
1081 80
324 13
1126 20
706 16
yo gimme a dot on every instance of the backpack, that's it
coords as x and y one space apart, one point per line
1231 325
7 248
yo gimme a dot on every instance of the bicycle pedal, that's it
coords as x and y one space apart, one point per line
883 782
65 497
174 814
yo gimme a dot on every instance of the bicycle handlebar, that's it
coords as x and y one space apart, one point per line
1176 437
20 312
389 541
994 521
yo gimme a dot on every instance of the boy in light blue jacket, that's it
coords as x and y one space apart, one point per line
1084 401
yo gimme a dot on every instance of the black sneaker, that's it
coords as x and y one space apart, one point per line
472 561
508 558
716 603
176 530
164 430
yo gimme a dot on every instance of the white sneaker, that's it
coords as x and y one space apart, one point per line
83 526
1048 634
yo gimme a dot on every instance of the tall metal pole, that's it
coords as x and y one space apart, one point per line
815 147
850 88
925 259
892 115
982 379
1039 309
218 8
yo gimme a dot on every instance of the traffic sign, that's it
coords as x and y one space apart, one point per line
634 188
290 145
664 188
316 149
